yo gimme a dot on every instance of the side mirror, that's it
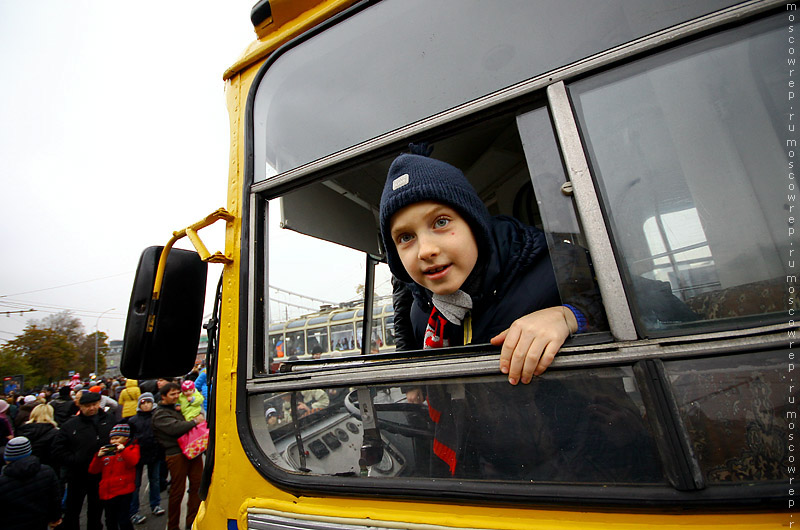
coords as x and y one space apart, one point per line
161 336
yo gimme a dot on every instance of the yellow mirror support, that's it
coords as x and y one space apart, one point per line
191 233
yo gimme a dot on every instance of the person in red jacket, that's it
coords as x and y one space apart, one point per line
117 463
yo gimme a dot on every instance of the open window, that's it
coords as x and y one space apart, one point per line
325 248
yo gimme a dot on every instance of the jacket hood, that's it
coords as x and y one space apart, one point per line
24 467
515 246
130 383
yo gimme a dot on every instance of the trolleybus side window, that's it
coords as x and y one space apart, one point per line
518 174
686 148
638 422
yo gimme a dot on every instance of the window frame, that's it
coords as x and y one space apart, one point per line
398 368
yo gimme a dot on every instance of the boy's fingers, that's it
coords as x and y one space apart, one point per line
518 354
497 340
511 336
532 357
547 357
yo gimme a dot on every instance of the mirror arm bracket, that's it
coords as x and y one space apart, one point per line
191 233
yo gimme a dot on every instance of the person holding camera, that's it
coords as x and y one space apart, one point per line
117 463
74 446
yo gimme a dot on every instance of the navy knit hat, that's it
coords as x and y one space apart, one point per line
415 178
17 448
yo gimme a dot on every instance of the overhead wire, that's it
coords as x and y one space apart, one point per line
68 284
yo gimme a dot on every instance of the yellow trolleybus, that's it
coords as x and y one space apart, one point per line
657 135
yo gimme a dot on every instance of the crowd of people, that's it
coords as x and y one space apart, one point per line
90 441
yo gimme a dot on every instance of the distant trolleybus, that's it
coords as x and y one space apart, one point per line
331 332
655 139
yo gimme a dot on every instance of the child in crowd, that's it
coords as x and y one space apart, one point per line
150 456
29 490
117 463
190 400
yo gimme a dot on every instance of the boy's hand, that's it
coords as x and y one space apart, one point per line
303 408
532 341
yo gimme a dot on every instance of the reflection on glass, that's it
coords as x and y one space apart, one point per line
316 286
318 98
388 322
679 249
735 411
688 150
583 427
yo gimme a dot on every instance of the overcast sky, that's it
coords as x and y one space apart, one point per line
113 134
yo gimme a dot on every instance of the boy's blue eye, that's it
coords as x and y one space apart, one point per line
441 222
405 238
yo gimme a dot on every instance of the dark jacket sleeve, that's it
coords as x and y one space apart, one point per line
60 449
170 425
402 299
52 494
577 284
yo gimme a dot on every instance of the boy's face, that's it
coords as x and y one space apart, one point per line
146 406
435 244
119 440
188 393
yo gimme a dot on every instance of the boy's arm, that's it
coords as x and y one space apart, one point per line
131 454
96 466
531 342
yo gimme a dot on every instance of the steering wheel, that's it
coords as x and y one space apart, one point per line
394 427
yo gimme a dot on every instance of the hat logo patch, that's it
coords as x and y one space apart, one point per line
400 181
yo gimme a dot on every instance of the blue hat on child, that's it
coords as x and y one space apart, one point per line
415 178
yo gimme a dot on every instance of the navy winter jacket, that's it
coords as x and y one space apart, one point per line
142 432
29 495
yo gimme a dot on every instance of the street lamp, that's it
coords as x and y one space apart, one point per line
96 333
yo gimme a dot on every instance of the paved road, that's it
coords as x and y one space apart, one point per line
152 522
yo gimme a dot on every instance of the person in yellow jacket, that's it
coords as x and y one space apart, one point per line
129 398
